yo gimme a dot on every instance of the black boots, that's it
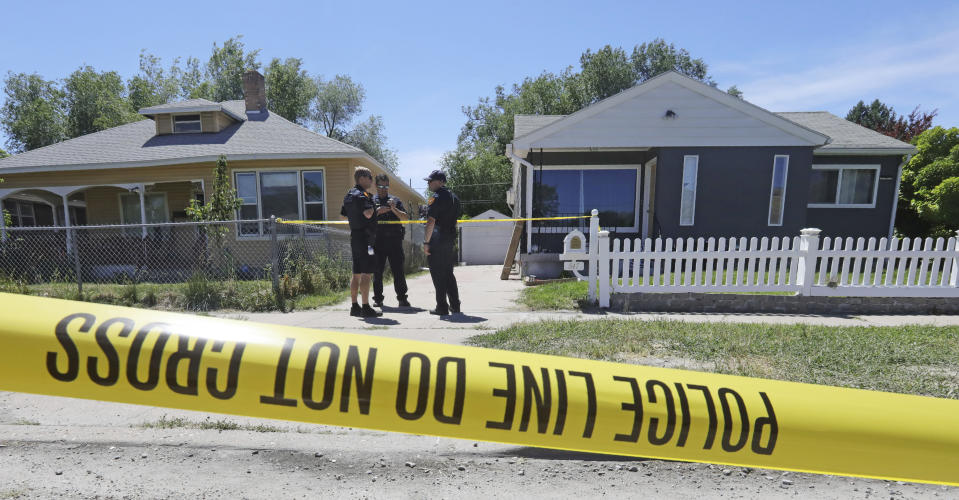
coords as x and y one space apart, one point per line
364 312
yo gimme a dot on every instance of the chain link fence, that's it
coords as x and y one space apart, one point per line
259 263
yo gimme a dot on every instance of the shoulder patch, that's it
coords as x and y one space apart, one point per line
431 200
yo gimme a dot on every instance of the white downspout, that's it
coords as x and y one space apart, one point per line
895 199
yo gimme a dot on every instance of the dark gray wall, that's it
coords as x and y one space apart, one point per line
859 222
732 191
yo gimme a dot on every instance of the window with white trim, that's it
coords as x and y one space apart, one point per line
294 194
777 191
314 206
186 124
249 205
687 201
842 186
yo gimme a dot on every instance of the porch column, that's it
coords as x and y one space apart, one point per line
3 223
66 221
143 209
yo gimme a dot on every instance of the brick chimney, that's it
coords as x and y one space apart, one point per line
254 91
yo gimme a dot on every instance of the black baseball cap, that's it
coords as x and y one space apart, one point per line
436 175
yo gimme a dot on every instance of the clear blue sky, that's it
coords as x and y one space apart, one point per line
421 62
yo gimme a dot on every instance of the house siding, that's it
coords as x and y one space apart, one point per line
164 124
103 205
732 192
859 222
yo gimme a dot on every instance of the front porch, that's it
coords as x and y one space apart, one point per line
99 204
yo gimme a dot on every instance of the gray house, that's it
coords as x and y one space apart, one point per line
673 157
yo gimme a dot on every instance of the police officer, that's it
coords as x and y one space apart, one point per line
389 242
444 209
359 209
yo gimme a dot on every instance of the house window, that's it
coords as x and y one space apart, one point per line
186 124
21 213
687 200
290 195
839 186
156 208
249 208
577 191
777 192
279 197
313 202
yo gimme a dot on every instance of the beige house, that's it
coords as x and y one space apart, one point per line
149 170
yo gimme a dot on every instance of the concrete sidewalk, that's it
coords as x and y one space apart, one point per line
491 304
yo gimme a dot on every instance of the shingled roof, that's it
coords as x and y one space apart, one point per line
256 136
844 134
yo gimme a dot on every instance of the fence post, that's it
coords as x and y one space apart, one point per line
593 261
77 269
604 261
275 258
808 253
954 278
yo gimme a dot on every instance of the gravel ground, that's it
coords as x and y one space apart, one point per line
105 452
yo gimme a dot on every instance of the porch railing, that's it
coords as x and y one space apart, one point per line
806 264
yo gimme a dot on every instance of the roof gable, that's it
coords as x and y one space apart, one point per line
702 116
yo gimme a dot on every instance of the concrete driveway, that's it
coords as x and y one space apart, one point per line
489 303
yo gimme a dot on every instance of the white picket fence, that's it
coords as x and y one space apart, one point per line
805 264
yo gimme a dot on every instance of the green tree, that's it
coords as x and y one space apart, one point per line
33 113
224 201
154 85
289 89
606 72
883 119
95 101
480 177
489 123
224 70
336 104
652 58
735 92
3 154
929 191
370 137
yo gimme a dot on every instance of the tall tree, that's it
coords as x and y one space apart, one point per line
929 191
883 119
95 101
370 137
3 154
33 113
337 103
653 58
225 69
154 85
606 72
289 89
489 123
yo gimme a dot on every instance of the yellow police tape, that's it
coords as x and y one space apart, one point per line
110 353
461 221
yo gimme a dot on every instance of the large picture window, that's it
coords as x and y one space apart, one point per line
842 186
296 194
777 192
576 191
687 199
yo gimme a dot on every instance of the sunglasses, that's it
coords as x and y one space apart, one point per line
384 187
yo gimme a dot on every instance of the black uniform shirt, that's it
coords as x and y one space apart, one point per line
389 229
444 206
354 204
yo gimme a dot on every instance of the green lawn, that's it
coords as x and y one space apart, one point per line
572 295
906 359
